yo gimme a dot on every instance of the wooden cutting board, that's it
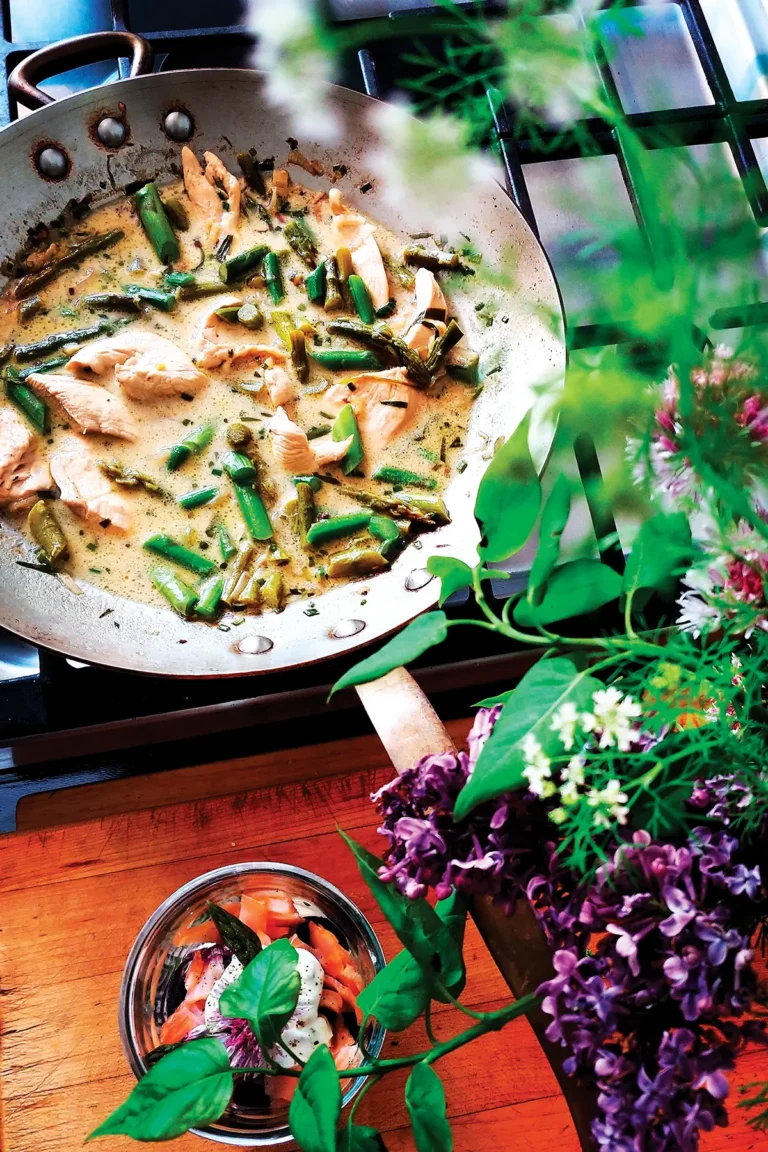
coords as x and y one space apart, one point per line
90 865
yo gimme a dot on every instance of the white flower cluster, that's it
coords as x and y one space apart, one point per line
612 722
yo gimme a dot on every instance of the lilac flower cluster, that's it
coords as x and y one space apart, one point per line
652 1014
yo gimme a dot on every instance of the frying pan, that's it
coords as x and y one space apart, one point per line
227 112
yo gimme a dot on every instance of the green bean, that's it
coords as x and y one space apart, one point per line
199 288
249 166
30 308
345 425
387 531
129 478
273 592
401 478
431 506
239 567
42 366
250 595
29 284
209 596
164 301
250 315
334 298
165 546
356 562
177 214
228 313
318 430
299 356
226 547
27 402
46 532
239 468
283 324
274 277
380 336
192 445
156 224
253 511
300 238
322 532
111 302
463 366
240 266
59 339
314 482
179 595
339 359
239 436
361 298
305 510
177 279
315 285
436 261
386 309
197 497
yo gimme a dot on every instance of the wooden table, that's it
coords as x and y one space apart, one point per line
89 866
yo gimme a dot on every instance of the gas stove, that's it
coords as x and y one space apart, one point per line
63 723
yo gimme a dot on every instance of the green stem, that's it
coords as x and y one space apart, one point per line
360 1097
457 1004
428 1025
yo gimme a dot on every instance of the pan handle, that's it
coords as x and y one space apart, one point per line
72 53
409 728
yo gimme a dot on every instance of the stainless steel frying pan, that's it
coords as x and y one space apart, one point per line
226 112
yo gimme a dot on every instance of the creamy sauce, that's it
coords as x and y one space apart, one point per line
118 563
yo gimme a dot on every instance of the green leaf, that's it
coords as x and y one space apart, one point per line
419 636
189 1088
490 701
425 1100
508 499
416 923
236 936
453 913
578 587
316 1105
553 521
530 708
662 552
455 574
356 1138
267 993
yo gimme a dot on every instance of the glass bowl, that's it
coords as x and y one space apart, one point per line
153 960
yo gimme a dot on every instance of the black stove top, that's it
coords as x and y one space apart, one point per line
63 724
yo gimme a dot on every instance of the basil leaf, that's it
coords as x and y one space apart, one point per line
356 1138
425 1100
553 521
530 708
267 992
455 574
419 636
189 1088
578 587
236 936
416 923
662 553
508 499
398 994
316 1105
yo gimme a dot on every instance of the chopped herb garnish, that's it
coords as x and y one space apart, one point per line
394 403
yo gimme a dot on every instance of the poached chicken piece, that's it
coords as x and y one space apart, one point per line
293 451
371 398
89 406
428 320
215 191
221 343
279 384
86 490
22 476
147 366
356 233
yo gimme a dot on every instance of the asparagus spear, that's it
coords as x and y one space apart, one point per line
240 266
401 478
334 299
27 285
46 532
436 261
179 595
128 478
305 509
300 238
59 339
198 288
249 166
299 355
429 511
192 445
356 562
112 302
273 592
165 301
42 366
156 224
239 567
345 425
30 308
209 596
239 436
177 214
381 336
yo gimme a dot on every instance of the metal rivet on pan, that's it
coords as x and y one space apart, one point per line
179 125
346 628
52 163
419 578
254 645
111 132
